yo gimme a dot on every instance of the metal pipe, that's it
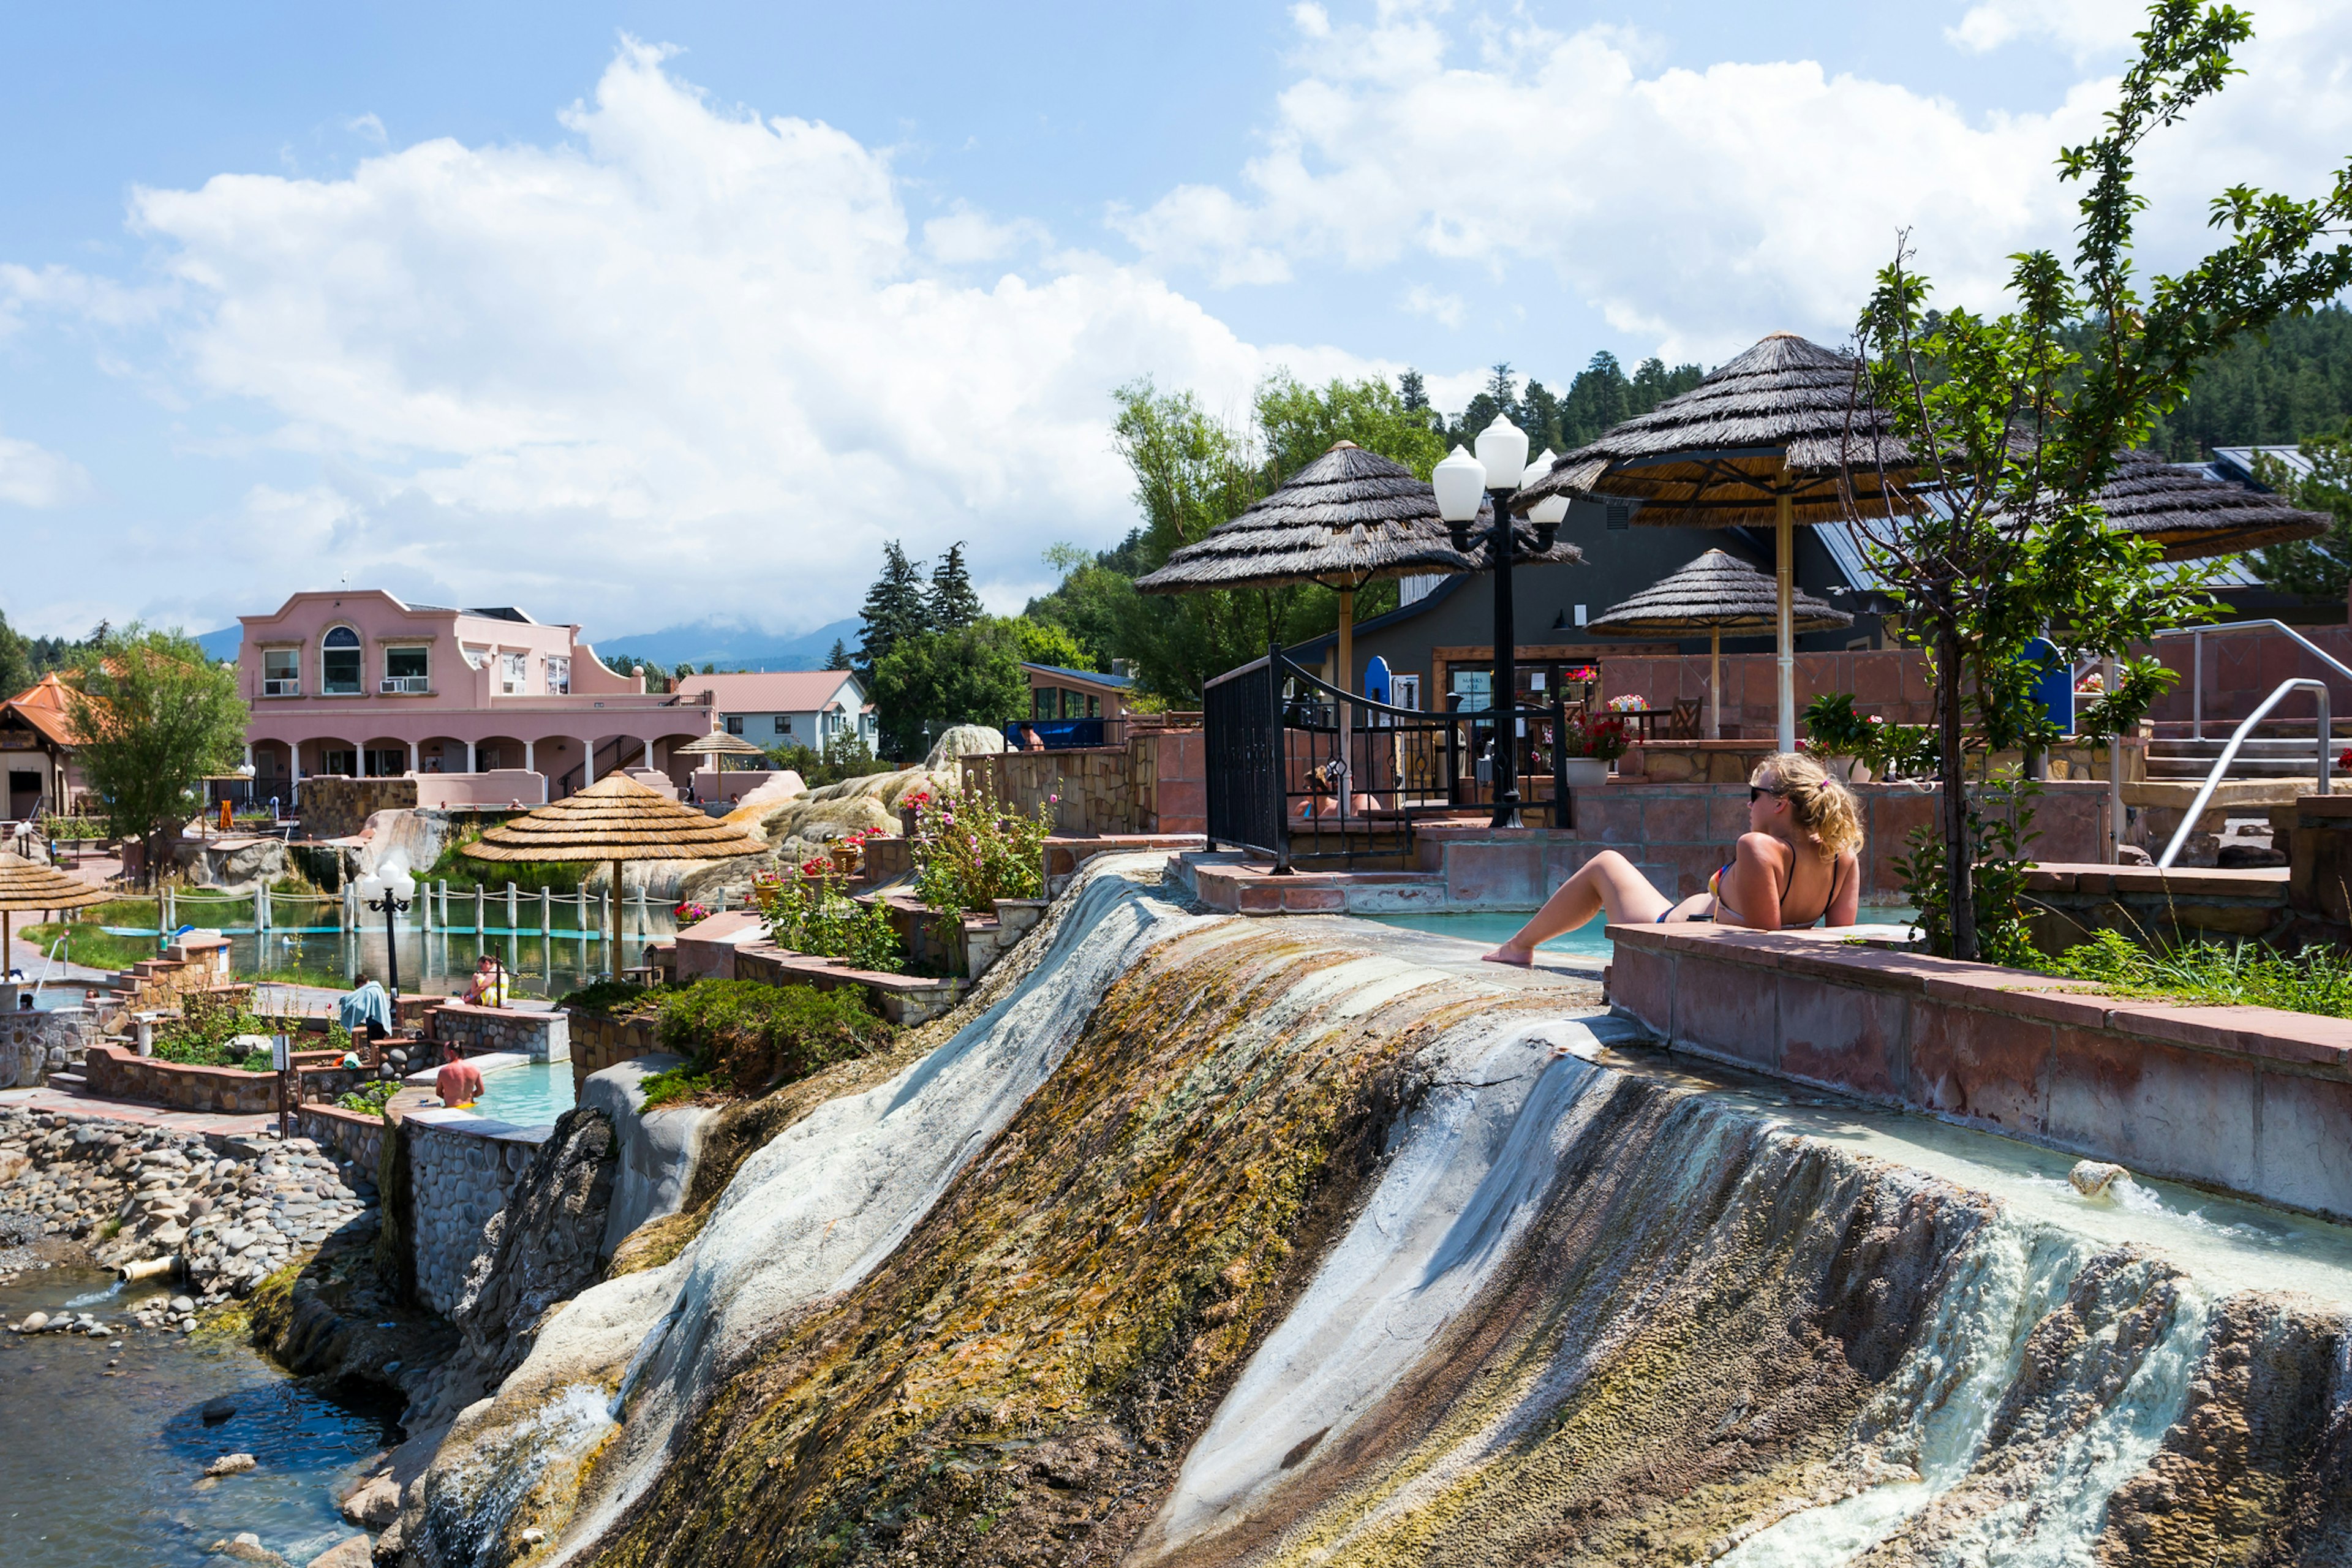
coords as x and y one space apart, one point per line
2196 683
2230 754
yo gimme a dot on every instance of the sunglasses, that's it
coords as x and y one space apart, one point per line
1757 793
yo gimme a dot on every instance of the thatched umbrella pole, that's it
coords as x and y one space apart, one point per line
1715 683
1784 545
1346 682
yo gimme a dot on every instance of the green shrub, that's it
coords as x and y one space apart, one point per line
969 853
199 1037
747 1037
811 916
369 1099
616 996
678 1086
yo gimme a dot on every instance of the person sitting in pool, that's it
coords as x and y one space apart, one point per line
489 986
1796 864
459 1082
1323 783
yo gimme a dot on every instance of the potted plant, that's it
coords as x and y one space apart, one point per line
1586 746
1839 737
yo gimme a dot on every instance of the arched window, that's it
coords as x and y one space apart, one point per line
339 663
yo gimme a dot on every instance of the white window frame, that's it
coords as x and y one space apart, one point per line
289 684
407 685
558 674
514 674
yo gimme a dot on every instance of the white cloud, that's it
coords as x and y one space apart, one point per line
33 476
1445 309
962 236
687 364
1698 209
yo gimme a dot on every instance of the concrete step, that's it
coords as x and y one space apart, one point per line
71 1081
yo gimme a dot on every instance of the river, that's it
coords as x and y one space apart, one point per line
102 1450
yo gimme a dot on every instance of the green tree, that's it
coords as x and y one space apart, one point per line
1298 424
839 658
17 671
2320 566
952 604
2017 431
969 675
894 609
684 671
155 718
1412 391
1048 642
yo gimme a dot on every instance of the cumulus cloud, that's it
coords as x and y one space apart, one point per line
1445 309
686 361
33 476
1697 209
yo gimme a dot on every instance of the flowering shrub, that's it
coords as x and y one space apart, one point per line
690 914
1834 727
969 853
1581 672
1594 736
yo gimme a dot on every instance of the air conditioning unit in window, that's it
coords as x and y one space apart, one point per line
288 686
413 684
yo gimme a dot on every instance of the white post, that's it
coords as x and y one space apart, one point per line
649 756
546 913
413 766
260 909
472 758
1785 536
511 906
482 911
528 764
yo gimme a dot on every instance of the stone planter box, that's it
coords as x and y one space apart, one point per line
600 1040
901 999
113 1073
2250 1101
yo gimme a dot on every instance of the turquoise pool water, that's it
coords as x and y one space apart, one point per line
1585 941
531 1096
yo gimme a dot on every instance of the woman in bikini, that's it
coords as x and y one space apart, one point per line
1794 865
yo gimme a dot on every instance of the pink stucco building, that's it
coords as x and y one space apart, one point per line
355 683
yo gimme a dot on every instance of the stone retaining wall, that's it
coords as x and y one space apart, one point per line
1156 782
460 1170
2247 1100
904 999
33 1045
114 1073
345 1134
600 1040
545 1037
2065 904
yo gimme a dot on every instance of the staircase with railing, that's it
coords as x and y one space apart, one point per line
2261 747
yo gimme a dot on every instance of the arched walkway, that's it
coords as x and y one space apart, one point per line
387 757
495 752
441 754
331 755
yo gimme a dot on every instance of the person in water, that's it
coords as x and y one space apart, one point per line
1795 865
459 1082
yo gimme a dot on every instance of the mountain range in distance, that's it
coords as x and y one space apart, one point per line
721 642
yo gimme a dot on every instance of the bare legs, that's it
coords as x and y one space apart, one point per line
1607 882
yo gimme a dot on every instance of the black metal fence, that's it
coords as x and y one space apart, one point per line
1300 771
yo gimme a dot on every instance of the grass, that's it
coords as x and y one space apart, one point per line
2316 980
750 1036
610 996
86 943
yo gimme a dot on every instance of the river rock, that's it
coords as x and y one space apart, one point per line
216 1411
231 1464
2093 1178
34 1323
353 1552
236 1240
375 1503
183 1305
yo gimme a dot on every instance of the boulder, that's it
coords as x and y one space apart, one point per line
375 1503
231 1464
356 1551
964 740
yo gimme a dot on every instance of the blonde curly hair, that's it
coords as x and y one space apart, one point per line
1823 805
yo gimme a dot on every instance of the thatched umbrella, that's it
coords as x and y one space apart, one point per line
1349 518
617 818
1774 436
27 887
717 745
1715 594
2193 515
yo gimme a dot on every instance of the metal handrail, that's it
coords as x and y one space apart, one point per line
2196 636
2230 753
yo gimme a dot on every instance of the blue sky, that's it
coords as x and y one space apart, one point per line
638 314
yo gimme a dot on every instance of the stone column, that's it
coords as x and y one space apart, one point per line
528 764
649 756
470 757
412 757
587 762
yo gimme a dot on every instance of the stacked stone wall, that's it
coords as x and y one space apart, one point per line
545 1037
1156 782
344 1134
337 807
600 1040
33 1044
461 1169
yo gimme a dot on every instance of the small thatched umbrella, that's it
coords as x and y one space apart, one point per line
2193 515
1770 437
718 745
27 887
617 818
1349 518
1715 594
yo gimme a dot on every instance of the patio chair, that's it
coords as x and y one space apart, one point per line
1684 723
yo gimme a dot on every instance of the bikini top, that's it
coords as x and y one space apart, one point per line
1722 906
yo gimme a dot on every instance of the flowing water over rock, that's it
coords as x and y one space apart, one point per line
1210 1241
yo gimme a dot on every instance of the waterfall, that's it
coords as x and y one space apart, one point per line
1218 1241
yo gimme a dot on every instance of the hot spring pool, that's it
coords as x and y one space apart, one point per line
530 1096
1586 941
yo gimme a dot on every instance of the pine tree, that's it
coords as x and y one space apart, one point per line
894 609
839 658
952 606
1413 389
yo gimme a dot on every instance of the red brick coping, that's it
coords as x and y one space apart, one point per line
2251 1100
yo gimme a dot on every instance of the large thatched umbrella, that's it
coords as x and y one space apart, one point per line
1770 437
1715 594
1349 518
617 818
2194 515
27 887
